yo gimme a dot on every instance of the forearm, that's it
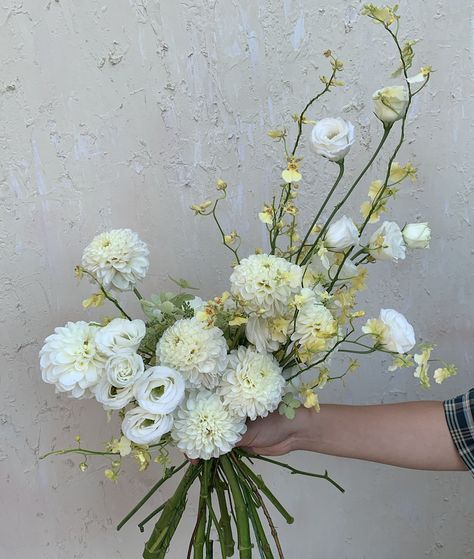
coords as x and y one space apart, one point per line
410 435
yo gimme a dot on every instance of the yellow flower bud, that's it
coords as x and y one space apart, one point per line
221 185
200 209
95 300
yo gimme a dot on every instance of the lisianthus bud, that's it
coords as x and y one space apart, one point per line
341 234
417 235
390 103
332 138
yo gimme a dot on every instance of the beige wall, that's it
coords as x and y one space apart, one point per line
123 113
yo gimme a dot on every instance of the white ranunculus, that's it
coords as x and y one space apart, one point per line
390 103
387 242
160 390
341 234
417 235
142 427
124 368
332 138
71 360
117 258
120 334
399 335
112 397
205 428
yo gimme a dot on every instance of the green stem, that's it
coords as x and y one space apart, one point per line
243 529
137 293
247 472
225 520
107 294
338 206
295 471
260 536
200 537
168 475
164 529
321 209
150 516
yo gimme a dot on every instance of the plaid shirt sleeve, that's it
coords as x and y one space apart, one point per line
460 418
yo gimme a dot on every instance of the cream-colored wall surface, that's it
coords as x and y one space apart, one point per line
122 114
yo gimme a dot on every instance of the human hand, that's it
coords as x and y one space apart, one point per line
273 435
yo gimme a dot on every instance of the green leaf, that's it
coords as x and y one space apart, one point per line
182 283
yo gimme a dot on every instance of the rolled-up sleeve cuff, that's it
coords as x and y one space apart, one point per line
459 414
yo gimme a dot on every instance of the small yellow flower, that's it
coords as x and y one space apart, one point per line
121 446
358 282
358 314
399 173
238 321
376 328
291 174
311 400
366 209
142 456
375 188
221 185
200 209
230 239
277 134
110 474
441 374
78 272
95 300
266 216
290 209
422 361
83 466
385 15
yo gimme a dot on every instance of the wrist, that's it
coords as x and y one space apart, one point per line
305 423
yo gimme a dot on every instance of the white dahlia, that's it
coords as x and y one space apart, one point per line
142 427
205 428
117 258
70 359
315 328
267 334
197 352
265 284
253 383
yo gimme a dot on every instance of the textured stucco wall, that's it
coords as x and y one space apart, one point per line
123 113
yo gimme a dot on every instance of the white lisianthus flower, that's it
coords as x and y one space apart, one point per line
265 284
160 390
399 335
332 138
117 258
199 353
267 334
120 334
387 242
341 235
417 235
124 368
205 428
70 359
253 384
390 103
112 397
142 427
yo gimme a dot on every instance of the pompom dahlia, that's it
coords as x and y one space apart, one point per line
205 428
199 353
316 328
70 359
117 258
253 384
265 284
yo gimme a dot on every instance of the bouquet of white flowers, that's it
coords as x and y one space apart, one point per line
193 372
